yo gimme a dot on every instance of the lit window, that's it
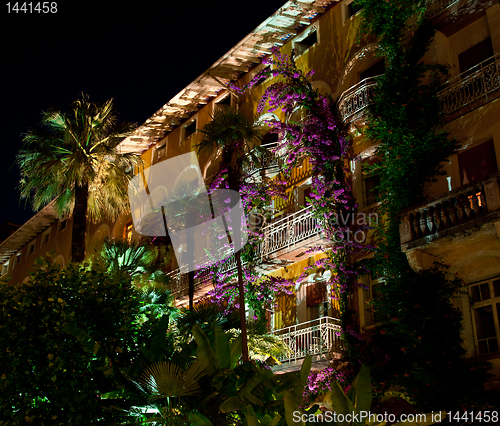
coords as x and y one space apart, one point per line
485 299
127 232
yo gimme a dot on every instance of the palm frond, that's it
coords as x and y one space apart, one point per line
166 379
78 149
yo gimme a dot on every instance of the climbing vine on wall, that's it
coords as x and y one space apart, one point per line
321 138
418 345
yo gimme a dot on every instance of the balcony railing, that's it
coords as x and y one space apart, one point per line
435 7
354 100
269 161
286 233
179 283
316 337
480 82
458 210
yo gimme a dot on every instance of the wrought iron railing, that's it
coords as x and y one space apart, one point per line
179 282
289 231
435 7
269 161
316 337
455 210
479 82
354 100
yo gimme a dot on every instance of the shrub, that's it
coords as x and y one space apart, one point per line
45 375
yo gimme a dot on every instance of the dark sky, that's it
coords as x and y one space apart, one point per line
140 54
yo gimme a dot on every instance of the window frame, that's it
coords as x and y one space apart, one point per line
297 41
45 238
491 301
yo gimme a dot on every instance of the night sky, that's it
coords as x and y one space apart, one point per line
139 54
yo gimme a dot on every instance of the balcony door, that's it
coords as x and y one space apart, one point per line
477 163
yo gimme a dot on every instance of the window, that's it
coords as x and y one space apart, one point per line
309 40
127 232
352 9
371 189
31 249
45 237
375 294
371 291
18 259
5 268
475 55
477 163
371 183
61 226
375 70
485 300
190 129
223 105
161 151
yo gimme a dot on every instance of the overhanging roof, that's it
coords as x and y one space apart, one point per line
22 236
276 30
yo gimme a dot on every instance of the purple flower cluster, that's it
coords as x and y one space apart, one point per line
321 381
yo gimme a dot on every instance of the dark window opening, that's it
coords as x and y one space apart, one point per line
372 189
373 71
352 9
306 43
477 163
225 101
475 55
190 129
269 138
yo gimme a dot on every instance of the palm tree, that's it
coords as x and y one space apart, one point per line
230 132
77 163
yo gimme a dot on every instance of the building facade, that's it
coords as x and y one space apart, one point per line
459 224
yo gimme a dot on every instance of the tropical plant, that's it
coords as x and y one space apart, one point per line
76 162
44 375
353 407
230 132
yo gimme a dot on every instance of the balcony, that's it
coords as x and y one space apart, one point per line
460 210
354 100
318 338
473 88
269 162
285 239
436 7
470 89
179 283
295 231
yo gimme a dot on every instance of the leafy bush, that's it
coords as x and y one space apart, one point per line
45 376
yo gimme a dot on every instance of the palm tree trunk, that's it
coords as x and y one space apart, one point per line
79 223
243 321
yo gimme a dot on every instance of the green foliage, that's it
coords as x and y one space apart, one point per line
209 388
76 149
45 376
357 403
418 344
